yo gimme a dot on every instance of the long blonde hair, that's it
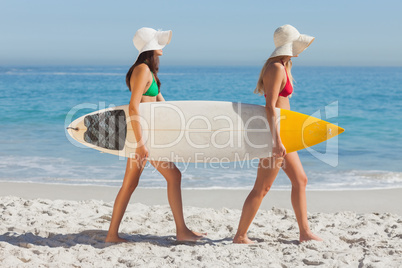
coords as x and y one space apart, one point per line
260 84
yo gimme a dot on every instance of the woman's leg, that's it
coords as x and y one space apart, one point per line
173 177
133 172
294 169
268 168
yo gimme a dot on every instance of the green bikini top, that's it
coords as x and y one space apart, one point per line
153 89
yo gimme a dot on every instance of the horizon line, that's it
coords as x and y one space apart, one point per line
183 65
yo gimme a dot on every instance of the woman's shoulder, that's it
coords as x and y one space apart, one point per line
274 68
141 69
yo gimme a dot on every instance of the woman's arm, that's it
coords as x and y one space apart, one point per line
272 80
138 83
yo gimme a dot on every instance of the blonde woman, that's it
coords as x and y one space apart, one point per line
143 82
276 83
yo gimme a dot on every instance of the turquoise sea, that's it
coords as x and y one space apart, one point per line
366 101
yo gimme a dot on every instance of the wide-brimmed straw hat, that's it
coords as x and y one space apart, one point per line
146 39
289 42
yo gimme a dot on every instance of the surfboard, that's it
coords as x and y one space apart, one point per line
199 131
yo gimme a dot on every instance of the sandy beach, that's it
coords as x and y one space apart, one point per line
45 225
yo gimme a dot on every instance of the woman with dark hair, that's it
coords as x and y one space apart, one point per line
143 82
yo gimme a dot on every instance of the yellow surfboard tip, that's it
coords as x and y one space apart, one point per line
299 131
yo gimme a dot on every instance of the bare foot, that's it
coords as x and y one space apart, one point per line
242 240
115 239
189 236
309 236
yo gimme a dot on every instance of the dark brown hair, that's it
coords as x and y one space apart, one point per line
151 61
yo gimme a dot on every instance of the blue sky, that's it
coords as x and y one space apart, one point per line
205 32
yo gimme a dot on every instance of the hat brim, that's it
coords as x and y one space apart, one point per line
293 48
303 42
161 39
284 50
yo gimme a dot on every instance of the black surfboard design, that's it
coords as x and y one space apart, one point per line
107 130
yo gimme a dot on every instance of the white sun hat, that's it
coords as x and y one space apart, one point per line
289 42
146 39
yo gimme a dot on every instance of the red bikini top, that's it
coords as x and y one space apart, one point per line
288 89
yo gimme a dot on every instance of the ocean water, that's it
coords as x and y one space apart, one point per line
366 101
